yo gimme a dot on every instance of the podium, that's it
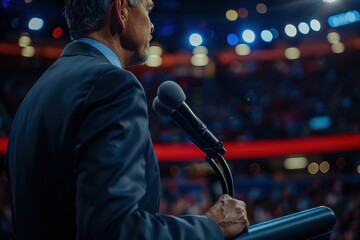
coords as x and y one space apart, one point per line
312 224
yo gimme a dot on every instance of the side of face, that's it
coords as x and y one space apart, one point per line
136 34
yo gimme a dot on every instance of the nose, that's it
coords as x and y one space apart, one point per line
151 28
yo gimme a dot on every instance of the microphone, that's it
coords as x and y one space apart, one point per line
171 102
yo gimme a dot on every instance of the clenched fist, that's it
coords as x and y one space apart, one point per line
229 214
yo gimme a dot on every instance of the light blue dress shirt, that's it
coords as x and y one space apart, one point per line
109 54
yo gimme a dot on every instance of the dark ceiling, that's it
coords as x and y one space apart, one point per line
174 20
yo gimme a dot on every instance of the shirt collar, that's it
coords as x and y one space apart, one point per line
109 54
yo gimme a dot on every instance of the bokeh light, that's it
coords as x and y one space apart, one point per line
261 8
28 51
36 24
315 25
243 13
266 35
292 53
200 50
248 36
338 47
232 39
24 41
231 15
290 30
333 37
57 32
313 168
200 60
242 49
195 39
304 28
324 167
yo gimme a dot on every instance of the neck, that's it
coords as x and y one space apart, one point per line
113 43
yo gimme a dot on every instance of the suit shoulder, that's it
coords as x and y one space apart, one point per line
115 82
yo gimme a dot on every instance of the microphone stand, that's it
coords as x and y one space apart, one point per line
224 175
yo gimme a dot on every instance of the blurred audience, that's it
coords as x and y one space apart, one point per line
268 198
246 101
275 99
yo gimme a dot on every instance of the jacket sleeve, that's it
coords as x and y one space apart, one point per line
110 168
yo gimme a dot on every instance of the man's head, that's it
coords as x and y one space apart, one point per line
85 16
126 19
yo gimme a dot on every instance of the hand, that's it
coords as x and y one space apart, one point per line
230 215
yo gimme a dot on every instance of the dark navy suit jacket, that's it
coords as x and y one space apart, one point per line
80 160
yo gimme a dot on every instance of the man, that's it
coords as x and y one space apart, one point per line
80 160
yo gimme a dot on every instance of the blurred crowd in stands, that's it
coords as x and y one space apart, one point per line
245 101
266 197
266 100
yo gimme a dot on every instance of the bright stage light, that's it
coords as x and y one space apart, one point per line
242 49
200 60
195 39
231 15
154 59
155 50
313 168
315 25
24 41
290 30
200 50
266 35
344 19
338 47
333 37
57 32
304 28
28 51
36 24
292 53
295 163
232 39
248 36
324 167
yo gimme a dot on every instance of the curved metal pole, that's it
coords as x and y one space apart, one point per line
219 173
228 175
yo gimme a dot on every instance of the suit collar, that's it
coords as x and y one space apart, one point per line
84 49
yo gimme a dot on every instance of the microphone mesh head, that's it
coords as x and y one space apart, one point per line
171 94
160 109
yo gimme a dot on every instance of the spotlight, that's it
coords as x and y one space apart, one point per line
290 30
315 25
248 36
232 39
266 35
344 19
304 28
36 24
195 39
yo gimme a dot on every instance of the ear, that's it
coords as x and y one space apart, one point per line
121 12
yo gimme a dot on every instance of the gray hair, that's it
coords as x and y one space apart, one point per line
84 16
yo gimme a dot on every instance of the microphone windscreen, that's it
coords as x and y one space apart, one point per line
159 108
171 94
